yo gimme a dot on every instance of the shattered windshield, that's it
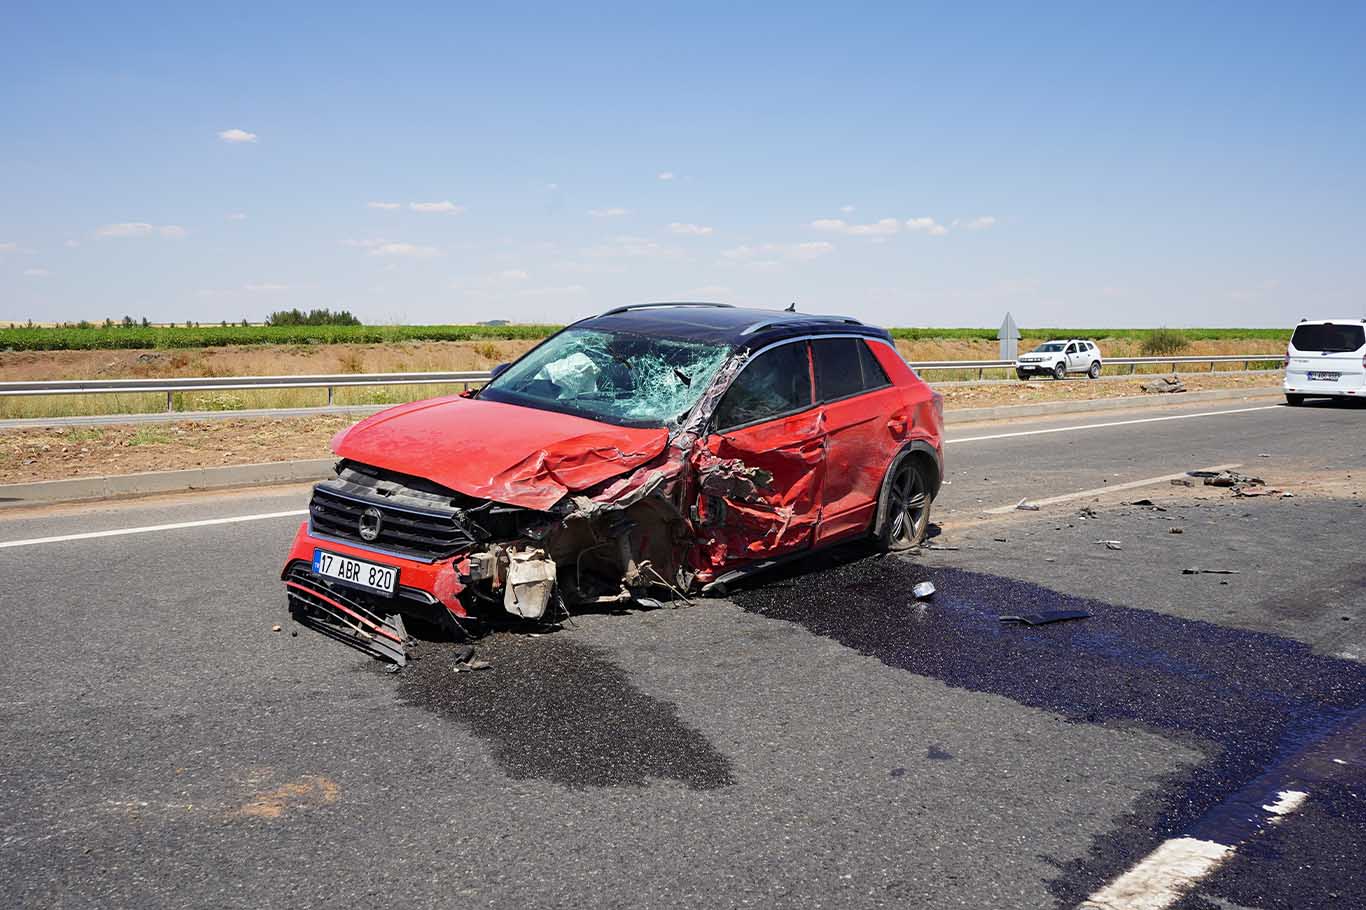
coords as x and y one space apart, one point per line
1051 347
616 377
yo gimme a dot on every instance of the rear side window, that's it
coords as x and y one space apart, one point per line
1328 337
874 376
844 367
776 382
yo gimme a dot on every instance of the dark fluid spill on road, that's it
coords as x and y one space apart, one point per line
1249 700
554 709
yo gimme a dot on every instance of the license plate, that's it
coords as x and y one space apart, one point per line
1324 377
355 571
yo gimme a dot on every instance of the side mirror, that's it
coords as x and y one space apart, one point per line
498 370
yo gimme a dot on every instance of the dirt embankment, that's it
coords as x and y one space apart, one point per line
427 356
57 453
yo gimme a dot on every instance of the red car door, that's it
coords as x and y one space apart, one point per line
759 471
865 425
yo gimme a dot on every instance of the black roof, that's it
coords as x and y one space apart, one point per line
717 323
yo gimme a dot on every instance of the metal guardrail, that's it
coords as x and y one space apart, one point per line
1133 363
170 387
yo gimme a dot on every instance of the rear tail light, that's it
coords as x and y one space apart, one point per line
1286 364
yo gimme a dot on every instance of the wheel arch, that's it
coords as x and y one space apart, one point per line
927 455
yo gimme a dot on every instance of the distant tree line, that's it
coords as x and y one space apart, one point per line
312 317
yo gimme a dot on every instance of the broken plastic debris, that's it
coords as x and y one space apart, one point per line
923 590
1046 617
1196 571
1176 531
1111 544
1024 505
275 628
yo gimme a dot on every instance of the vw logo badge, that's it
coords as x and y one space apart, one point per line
371 520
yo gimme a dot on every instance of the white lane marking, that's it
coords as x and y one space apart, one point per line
1287 801
1108 488
1164 876
1111 423
119 532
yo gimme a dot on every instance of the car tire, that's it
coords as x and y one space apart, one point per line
1294 400
904 506
1094 372
1021 374
1060 371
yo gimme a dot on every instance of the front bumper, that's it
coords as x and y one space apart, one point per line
367 620
1034 367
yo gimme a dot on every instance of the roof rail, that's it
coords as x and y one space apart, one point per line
765 323
647 306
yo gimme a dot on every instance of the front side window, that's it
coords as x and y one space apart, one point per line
1051 347
616 377
776 382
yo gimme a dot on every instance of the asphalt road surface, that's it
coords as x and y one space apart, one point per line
816 740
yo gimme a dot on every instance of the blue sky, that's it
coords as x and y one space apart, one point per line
907 164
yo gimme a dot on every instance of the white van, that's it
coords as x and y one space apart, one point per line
1326 358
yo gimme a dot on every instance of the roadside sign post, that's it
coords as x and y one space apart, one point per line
1009 336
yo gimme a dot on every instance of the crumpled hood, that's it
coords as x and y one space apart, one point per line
511 454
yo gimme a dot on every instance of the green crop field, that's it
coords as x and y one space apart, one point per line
98 337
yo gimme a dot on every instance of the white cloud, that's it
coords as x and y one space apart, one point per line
510 275
609 213
236 135
980 223
812 249
139 229
840 226
694 230
665 175
847 209
37 273
573 290
634 248
445 207
711 290
235 216
386 206
928 225
265 286
126 229
9 247
552 186
72 244
409 250
752 253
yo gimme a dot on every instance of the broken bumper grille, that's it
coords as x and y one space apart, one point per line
370 624
425 534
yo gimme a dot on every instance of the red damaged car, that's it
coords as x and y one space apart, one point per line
655 449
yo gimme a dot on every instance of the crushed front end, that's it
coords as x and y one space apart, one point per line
383 553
